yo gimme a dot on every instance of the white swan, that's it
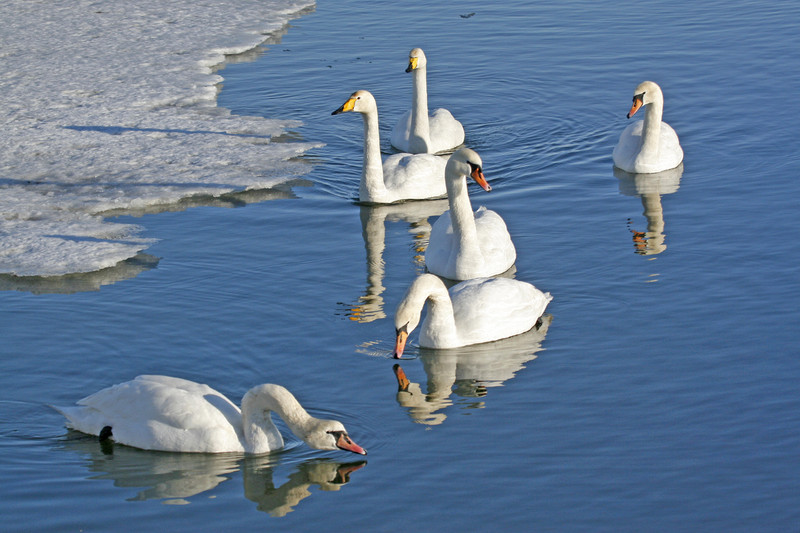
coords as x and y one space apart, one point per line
648 145
464 245
400 176
418 133
471 312
176 415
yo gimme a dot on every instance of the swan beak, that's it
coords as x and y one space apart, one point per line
402 380
400 344
413 62
347 106
637 103
344 443
480 179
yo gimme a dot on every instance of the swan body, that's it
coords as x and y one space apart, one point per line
176 415
417 132
464 244
401 176
471 312
650 145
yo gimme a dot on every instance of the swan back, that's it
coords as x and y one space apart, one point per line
161 413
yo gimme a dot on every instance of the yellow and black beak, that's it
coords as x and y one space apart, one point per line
347 106
638 100
413 63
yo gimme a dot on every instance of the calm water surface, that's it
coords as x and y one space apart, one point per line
661 396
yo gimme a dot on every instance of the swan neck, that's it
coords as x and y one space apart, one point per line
441 316
651 129
258 404
372 186
462 217
420 127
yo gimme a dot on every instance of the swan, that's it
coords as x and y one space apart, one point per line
176 415
464 245
471 312
400 176
418 133
650 145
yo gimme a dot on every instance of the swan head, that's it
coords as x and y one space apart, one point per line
416 60
466 162
330 435
406 319
647 92
360 102
409 311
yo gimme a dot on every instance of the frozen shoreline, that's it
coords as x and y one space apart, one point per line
111 106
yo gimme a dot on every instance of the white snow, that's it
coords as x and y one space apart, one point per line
112 106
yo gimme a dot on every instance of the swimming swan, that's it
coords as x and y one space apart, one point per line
471 312
418 133
400 176
650 145
177 415
464 245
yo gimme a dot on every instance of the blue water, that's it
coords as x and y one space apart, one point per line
662 397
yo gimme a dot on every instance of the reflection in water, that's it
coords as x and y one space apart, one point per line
82 282
468 371
369 307
650 187
174 477
326 474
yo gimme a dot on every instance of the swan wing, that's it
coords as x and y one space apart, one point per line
628 156
415 176
446 132
495 241
488 309
161 413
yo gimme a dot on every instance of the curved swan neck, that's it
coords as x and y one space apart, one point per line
461 216
441 317
420 127
260 432
651 129
372 185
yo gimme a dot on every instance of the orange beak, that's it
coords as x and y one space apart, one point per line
637 103
344 443
480 179
400 343
402 380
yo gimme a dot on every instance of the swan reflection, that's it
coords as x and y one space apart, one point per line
369 307
176 477
650 187
469 372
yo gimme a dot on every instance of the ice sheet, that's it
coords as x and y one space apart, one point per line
112 105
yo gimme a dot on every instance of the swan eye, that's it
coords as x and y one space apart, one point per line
403 329
473 167
639 97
